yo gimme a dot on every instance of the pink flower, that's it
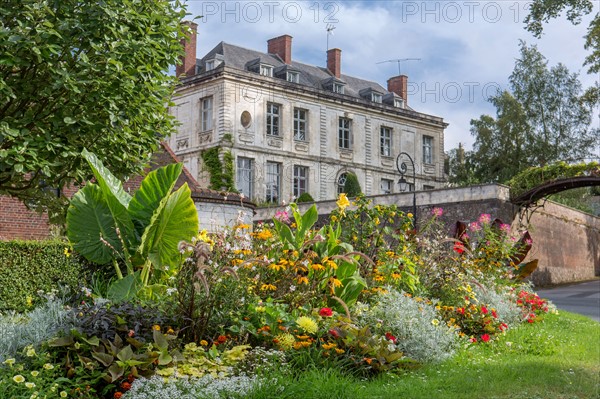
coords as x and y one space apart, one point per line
485 218
505 227
485 337
390 337
437 212
325 312
473 340
282 216
474 226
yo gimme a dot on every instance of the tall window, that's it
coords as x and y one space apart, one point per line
300 180
273 119
273 181
344 133
341 182
245 176
387 186
427 149
300 124
206 113
386 141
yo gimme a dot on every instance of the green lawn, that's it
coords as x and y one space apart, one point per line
558 358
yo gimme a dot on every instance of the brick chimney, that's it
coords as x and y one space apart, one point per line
399 86
334 61
281 46
187 63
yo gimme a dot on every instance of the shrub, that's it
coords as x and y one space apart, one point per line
415 324
305 197
29 266
352 186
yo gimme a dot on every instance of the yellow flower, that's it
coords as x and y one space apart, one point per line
203 343
376 221
435 322
35 373
268 287
307 324
30 385
336 282
242 226
48 366
260 309
29 300
317 266
18 378
329 345
10 361
63 394
302 279
342 202
409 215
67 252
156 327
339 351
30 351
285 341
264 235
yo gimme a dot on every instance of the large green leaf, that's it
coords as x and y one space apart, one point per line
175 220
116 198
88 220
125 288
157 185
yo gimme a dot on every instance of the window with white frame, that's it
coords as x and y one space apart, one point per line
273 111
245 176
210 65
398 102
345 133
273 182
338 88
206 115
387 186
341 182
293 77
385 141
427 149
300 124
376 98
300 180
266 70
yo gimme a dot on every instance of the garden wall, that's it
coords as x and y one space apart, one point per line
565 241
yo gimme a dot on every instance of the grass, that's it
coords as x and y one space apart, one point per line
558 358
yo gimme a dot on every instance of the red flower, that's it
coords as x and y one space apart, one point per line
503 326
494 314
390 337
334 333
484 310
459 248
473 340
118 395
460 311
485 337
221 339
126 386
325 312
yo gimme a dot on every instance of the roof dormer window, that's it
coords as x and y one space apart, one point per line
398 103
338 88
376 97
266 70
210 65
293 77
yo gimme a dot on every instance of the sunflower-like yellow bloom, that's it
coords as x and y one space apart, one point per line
307 324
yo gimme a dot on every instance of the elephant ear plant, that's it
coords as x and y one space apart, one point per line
105 223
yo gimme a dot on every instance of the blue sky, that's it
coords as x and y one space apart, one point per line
467 48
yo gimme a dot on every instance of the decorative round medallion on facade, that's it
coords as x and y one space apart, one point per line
246 119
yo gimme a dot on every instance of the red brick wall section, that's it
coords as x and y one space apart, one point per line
18 222
282 46
399 85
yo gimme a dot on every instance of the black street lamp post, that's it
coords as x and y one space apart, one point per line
402 169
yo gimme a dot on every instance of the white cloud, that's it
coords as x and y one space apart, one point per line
467 48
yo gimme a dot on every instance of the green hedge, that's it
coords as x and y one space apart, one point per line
29 266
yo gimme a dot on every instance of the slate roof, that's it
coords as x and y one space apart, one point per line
310 75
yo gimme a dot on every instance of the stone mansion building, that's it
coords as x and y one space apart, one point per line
292 128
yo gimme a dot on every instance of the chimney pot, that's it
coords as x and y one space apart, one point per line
334 61
187 62
399 86
281 46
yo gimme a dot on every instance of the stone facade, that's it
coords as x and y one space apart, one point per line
230 104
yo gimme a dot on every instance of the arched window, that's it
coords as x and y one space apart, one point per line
341 182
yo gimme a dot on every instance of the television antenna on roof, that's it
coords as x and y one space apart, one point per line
329 28
400 61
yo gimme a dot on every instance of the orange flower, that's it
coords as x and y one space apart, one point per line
221 339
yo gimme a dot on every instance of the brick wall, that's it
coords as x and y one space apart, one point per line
18 222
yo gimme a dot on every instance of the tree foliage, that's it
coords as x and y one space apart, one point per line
352 186
544 118
77 75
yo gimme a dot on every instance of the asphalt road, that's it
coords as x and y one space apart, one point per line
582 298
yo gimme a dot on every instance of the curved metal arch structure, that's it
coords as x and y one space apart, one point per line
555 186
